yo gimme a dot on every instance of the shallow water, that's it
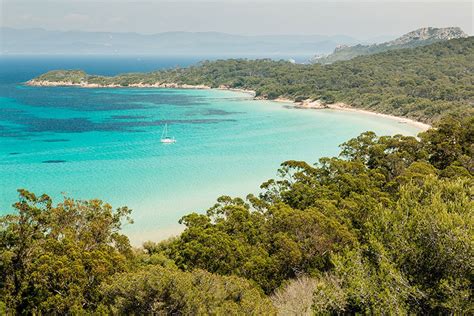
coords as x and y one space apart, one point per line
105 143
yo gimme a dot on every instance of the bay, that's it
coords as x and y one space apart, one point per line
105 143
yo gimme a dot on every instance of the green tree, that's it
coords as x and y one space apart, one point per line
429 237
451 143
53 258
160 291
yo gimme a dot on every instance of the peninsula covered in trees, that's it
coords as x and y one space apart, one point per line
422 83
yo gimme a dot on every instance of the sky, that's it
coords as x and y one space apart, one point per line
360 19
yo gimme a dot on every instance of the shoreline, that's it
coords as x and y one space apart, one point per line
307 104
402 120
45 83
340 106
246 91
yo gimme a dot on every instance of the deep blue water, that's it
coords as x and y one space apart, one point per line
104 143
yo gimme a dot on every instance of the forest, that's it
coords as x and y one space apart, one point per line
385 228
422 83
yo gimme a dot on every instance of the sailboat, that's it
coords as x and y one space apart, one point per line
165 139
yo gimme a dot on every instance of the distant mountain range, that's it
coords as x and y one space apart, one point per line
40 41
420 37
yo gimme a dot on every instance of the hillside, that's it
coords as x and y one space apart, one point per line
422 83
419 37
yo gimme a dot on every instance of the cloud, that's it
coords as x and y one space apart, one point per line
115 20
76 18
26 16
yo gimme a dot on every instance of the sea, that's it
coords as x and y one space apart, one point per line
104 143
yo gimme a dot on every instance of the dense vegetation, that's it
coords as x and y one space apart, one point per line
422 83
350 52
386 228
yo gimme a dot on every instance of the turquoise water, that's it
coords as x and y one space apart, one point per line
105 143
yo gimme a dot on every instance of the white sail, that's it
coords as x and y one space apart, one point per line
164 136
165 131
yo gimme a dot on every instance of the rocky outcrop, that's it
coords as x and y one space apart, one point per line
428 34
420 37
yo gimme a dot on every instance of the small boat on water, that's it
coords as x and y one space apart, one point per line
165 139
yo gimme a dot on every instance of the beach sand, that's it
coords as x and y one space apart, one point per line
317 105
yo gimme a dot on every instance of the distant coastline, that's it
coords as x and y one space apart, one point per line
46 83
305 104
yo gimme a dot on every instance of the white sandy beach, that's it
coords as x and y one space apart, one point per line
317 105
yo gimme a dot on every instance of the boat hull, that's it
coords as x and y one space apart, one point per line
168 141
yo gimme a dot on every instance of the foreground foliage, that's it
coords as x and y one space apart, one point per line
157 290
54 258
388 227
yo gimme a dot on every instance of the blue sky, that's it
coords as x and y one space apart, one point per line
361 19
